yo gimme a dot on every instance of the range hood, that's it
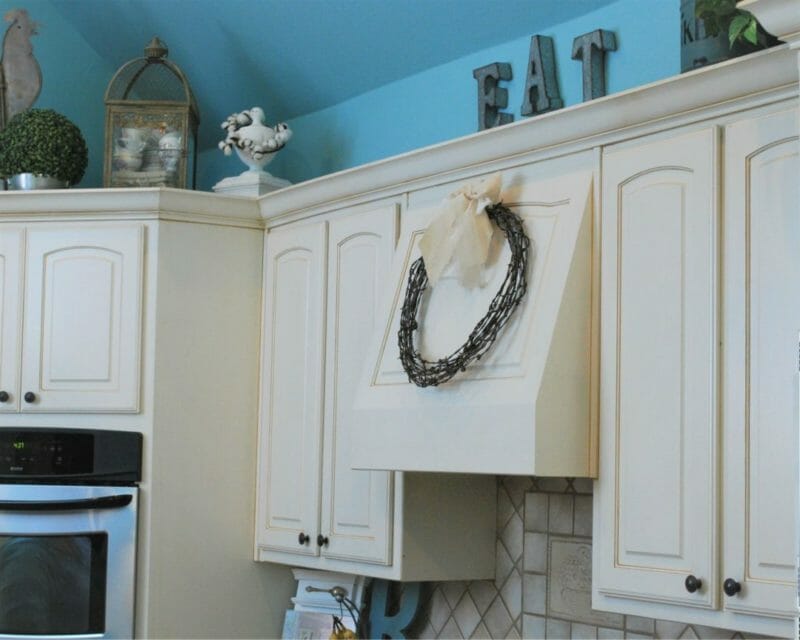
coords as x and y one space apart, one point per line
526 408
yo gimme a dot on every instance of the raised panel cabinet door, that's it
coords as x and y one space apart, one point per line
11 274
762 323
292 386
83 318
655 511
357 505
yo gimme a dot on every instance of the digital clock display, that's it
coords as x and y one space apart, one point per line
45 453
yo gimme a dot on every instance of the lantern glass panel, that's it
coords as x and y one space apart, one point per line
149 148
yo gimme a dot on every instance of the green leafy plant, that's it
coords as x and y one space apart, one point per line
740 25
43 142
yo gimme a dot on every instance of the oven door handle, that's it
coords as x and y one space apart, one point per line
103 502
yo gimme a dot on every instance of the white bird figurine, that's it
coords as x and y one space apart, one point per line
23 77
254 142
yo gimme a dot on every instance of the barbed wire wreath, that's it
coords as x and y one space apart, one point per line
425 373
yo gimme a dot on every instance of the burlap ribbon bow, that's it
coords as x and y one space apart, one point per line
462 232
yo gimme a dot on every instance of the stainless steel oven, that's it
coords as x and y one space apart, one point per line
68 518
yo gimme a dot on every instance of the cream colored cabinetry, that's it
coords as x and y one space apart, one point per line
149 299
760 365
72 332
699 377
290 455
525 407
323 282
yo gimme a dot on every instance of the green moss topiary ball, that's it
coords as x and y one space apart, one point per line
43 142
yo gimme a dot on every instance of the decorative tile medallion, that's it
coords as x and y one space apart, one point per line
569 595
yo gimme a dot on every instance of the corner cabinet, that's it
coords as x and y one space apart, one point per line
698 387
324 281
71 319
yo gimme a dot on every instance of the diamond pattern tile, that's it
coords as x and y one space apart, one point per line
512 537
517 487
451 630
483 593
467 616
439 611
530 513
504 565
497 619
453 591
711 633
511 593
669 629
505 508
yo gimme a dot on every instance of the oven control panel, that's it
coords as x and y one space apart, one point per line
91 456
46 454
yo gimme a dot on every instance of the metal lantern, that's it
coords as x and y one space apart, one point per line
151 124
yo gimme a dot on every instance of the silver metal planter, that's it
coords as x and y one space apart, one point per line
31 181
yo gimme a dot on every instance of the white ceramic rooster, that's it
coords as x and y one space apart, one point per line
254 142
23 77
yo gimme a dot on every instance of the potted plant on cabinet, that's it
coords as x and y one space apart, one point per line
42 149
715 30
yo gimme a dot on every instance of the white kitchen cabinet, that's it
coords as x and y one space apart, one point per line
292 373
73 330
323 282
760 365
153 296
356 517
698 405
11 269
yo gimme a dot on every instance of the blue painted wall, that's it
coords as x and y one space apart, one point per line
441 103
74 77
436 105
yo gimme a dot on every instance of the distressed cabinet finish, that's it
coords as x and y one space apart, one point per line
323 284
658 345
292 372
140 310
356 517
11 269
698 402
80 314
760 364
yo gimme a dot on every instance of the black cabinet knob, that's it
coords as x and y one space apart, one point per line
30 396
303 538
322 541
731 587
4 396
692 583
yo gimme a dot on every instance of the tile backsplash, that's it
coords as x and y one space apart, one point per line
542 586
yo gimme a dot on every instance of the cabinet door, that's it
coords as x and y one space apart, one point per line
655 517
291 410
11 248
762 321
83 318
357 505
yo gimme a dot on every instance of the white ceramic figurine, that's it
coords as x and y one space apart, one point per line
255 142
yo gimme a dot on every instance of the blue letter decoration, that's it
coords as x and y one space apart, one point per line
591 48
492 98
541 86
382 625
